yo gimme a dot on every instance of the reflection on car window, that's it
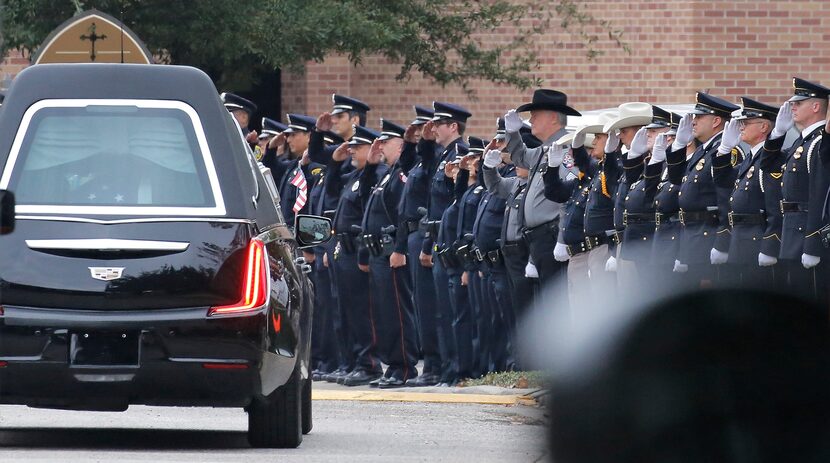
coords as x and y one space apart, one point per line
111 156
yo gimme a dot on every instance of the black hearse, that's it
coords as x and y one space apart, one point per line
149 262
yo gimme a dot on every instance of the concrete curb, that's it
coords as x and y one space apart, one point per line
432 397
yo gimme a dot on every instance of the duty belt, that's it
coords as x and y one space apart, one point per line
494 259
638 217
382 245
662 217
694 217
792 206
348 242
577 248
747 219
447 257
410 226
546 229
596 241
430 227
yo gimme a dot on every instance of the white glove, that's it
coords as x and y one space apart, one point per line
556 153
731 137
512 121
579 139
684 133
680 268
765 260
718 258
809 261
783 121
530 271
492 158
639 145
658 152
560 253
613 142
611 264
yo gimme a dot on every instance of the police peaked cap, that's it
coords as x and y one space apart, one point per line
233 102
341 104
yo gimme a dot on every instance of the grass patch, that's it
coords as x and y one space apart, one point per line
510 380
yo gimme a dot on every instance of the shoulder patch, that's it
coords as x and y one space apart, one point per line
316 170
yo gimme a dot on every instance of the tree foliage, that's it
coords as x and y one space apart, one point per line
234 40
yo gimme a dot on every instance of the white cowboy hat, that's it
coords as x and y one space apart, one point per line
568 138
595 124
630 115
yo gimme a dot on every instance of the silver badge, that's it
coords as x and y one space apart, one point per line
106 273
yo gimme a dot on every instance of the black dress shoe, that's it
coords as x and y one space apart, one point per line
377 382
361 378
426 379
334 375
393 382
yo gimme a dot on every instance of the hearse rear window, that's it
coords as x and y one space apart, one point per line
113 157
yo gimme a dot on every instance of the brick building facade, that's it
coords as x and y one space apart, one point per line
743 47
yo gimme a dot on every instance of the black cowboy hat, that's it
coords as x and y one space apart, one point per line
551 100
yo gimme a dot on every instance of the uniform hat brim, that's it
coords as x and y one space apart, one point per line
568 138
630 121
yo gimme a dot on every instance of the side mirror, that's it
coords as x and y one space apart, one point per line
6 212
311 230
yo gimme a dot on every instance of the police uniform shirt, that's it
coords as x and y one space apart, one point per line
512 190
667 222
697 195
490 216
640 200
441 190
347 188
572 191
748 199
795 193
417 162
632 170
599 208
468 206
384 196
536 210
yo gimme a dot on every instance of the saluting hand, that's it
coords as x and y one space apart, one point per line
277 141
429 131
412 133
639 145
684 133
492 158
658 152
579 139
783 121
512 121
341 153
324 123
556 154
731 137
252 137
375 153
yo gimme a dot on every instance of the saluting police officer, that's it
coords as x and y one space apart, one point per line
639 213
700 217
270 129
573 192
382 182
801 208
755 222
418 162
350 255
346 113
242 110
540 217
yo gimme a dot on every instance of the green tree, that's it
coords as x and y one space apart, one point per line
234 41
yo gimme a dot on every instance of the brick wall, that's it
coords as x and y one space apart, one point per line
742 47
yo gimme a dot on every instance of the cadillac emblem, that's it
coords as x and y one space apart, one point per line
106 273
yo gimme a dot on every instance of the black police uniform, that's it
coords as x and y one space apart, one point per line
492 340
599 215
353 284
391 290
701 218
319 148
639 208
417 163
754 219
466 299
801 173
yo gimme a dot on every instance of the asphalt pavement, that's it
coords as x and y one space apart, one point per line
344 431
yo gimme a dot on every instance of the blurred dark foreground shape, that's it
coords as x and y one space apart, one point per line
716 376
